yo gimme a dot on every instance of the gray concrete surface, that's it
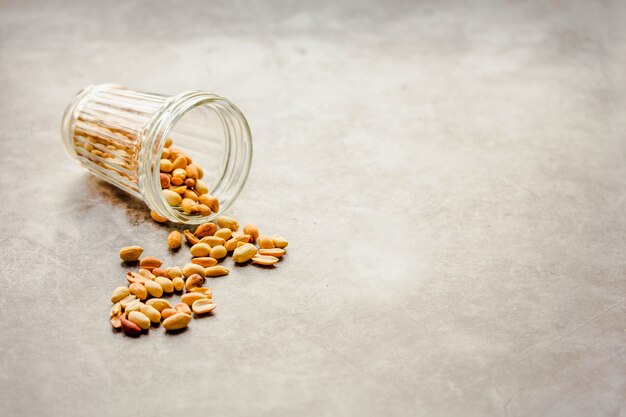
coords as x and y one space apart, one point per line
451 177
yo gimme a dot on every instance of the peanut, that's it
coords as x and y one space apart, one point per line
166 284
205 229
203 306
251 230
178 283
180 162
244 253
190 269
157 218
200 249
153 288
177 321
150 263
149 275
134 277
225 233
213 241
138 290
229 222
194 280
183 308
280 242
204 261
212 202
174 240
215 271
119 294
174 272
165 165
204 210
165 180
265 242
172 197
130 328
152 313
275 252
189 206
125 302
167 312
218 252
191 239
202 187
264 260
158 303
140 319
202 290
190 297
131 253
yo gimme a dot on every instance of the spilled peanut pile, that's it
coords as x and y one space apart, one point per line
139 304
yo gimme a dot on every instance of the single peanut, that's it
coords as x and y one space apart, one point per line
215 271
280 242
275 252
140 319
165 165
131 253
147 274
177 321
168 312
202 187
138 290
265 242
225 233
153 288
190 195
158 303
251 230
218 252
203 306
264 260
244 253
116 310
204 210
191 171
204 261
133 277
178 283
189 206
157 218
172 197
165 180
180 162
150 263
205 229
190 269
191 239
229 222
212 202
183 308
174 240
166 284
200 249
174 272
130 328
202 290
119 294
152 313
190 297
116 322
194 280
158 272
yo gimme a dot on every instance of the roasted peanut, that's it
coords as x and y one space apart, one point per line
172 197
275 252
264 260
200 249
157 218
218 252
153 288
190 269
131 253
178 283
225 233
140 319
244 253
138 290
205 229
158 303
191 239
119 294
280 242
265 242
174 240
203 306
215 271
251 230
229 222
166 284
204 261
150 263
194 280
177 321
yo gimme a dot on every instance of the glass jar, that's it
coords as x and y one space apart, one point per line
120 134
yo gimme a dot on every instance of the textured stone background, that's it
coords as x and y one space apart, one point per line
451 176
